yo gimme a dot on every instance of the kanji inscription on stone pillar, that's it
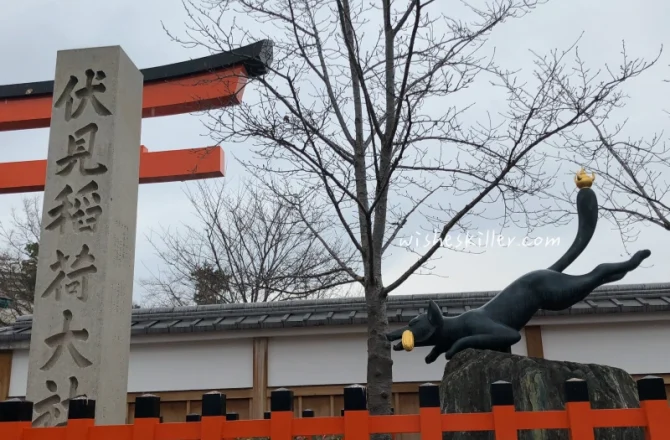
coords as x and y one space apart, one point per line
80 338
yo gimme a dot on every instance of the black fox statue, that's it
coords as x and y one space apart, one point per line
496 324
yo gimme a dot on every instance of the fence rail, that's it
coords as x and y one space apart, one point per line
356 423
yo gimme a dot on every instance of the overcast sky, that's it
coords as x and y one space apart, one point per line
32 32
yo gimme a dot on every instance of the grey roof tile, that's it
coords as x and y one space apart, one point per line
343 317
297 319
318 317
229 323
162 326
409 313
143 324
207 324
276 320
639 298
629 302
24 331
360 318
184 325
581 308
254 321
602 305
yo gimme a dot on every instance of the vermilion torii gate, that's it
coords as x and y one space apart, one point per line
80 339
200 84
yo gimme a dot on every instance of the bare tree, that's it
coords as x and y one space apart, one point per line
244 247
364 117
19 240
632 174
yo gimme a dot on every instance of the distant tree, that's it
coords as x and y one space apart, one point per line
245 246
19 250
210 284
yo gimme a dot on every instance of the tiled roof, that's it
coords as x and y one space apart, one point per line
636 298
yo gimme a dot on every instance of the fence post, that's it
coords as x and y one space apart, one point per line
231 417
80 417
356 413
578 406
307 414
654 402
147 416
281 417
15 416
213 416
429 412
193 417
502 407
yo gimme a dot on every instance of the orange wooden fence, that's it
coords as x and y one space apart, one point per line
356 423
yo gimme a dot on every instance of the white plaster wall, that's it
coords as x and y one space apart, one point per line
207 365
342 359
411 367
520 347
317 360
636 347
339 360
18 381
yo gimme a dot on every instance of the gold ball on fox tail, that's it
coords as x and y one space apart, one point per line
583 180
408 340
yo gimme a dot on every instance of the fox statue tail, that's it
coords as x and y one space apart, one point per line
587 212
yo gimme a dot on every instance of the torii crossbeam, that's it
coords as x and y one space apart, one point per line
197 85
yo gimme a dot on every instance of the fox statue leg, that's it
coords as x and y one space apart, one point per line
489 335
561 291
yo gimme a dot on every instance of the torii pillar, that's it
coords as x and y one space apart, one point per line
80 339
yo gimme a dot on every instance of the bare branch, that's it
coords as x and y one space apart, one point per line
245 247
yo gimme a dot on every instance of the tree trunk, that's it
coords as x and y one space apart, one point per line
380 365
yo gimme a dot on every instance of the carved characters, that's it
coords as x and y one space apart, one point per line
76 274
84 94
61 212
87 207
80 147
83 211
65 340
52 410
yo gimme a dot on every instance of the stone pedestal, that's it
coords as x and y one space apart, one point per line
538 385
83 297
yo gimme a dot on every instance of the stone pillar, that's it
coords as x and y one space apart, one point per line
83 297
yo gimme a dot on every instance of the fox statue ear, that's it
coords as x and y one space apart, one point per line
434 314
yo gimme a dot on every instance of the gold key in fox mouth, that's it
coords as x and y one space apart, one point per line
408 340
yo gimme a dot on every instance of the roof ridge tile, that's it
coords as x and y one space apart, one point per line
322 312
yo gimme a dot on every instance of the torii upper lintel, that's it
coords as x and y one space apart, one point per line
201 84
